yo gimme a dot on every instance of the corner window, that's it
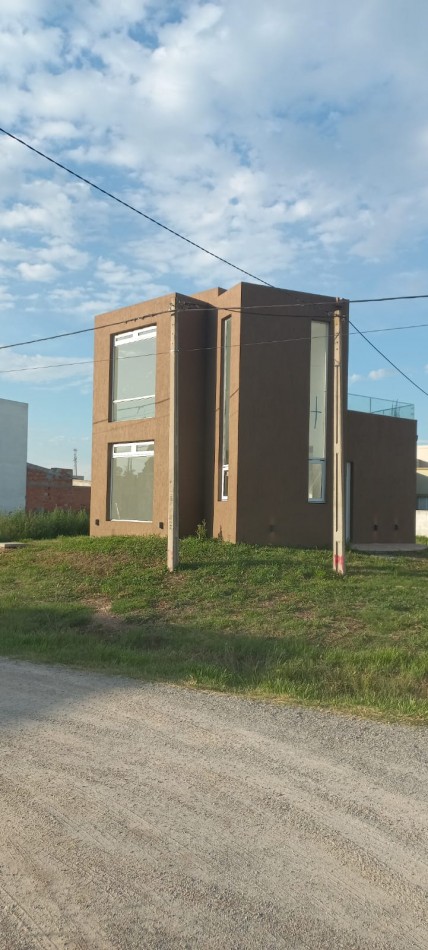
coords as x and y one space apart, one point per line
134 375
131 484
226 330
317 412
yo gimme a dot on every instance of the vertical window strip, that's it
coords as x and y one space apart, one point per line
317 412
225 407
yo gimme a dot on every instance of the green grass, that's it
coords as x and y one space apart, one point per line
268 622
23 525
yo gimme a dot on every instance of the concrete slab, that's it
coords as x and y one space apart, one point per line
375 548
6 545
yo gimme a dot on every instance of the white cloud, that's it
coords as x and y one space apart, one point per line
6 299
43 370
376 374
42 272
63 254
234 123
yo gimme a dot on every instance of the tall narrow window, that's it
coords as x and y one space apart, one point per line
317 411
131 485
226 330
134 375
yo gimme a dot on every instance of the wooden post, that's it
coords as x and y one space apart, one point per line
338 454
172 560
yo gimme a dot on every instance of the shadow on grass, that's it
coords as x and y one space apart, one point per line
392 679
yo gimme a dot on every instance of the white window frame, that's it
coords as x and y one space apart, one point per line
144 333
224 494
134 450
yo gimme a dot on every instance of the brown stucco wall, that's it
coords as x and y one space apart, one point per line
269 412
220 516
192 327
106 433
193 434
382 451
273 505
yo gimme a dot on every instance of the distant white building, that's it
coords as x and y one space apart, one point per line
13 454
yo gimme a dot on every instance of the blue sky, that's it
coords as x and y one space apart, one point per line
289 137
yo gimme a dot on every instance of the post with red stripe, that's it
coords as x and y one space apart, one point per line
338 453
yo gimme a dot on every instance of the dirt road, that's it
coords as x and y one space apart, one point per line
145 816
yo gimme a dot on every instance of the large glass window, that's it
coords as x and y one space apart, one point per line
318 411
134 375
131 487
225 407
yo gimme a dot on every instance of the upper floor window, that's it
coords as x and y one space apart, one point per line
134 375
318 411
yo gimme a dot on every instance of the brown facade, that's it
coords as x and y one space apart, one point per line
381 451
268 424
50 488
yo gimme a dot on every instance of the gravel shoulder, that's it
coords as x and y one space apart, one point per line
138 815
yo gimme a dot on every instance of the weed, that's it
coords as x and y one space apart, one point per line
23 525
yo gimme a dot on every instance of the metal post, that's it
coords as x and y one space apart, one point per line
338 454
173 445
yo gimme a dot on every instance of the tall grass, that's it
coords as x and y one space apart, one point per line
35 525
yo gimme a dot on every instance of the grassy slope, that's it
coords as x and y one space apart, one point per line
271 622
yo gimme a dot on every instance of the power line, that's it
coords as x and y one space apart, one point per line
203 306
383 299
334 301
143 316
60 336
199 349
394 365
130 207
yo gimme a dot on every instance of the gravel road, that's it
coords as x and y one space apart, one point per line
144 816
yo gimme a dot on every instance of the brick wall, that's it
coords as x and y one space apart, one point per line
49 488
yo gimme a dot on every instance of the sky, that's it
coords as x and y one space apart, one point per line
289 136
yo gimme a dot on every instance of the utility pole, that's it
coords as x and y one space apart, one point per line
338 454
173 444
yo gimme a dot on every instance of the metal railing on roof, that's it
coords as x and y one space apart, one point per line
381 407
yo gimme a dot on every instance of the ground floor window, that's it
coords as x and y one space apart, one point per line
316 482
422 503
131 484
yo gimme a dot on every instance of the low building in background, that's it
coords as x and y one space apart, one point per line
422 490
255 384
13 454
49 488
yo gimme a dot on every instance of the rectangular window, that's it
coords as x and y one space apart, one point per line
131 487
226 330
422 503
317 411
134 375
